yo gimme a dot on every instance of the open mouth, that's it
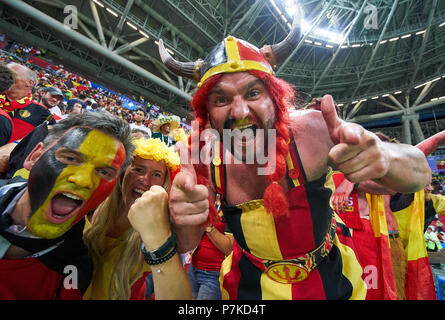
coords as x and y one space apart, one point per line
137 193
247 133
63 206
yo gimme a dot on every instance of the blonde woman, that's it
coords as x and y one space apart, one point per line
120 268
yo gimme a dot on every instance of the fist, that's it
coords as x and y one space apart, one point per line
149 216
340 198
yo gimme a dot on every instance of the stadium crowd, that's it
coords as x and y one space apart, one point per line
73 86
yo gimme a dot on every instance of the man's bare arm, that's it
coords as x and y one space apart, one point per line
362 156
430 144
408 171
374 188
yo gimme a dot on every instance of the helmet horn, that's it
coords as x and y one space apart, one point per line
277 53
189 70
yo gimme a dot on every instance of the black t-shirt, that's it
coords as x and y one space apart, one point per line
5 130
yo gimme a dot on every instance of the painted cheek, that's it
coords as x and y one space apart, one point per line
100 194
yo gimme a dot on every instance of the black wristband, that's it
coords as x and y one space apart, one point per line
163 259
163 253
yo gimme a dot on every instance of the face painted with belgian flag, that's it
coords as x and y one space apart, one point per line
71 178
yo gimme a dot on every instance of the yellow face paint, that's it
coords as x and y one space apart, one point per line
84 176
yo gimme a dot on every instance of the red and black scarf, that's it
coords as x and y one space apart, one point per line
16 104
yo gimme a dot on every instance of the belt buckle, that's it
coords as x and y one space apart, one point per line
287 271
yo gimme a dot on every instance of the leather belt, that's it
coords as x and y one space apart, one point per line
296 269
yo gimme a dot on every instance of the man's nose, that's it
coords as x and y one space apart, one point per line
240 109
83 177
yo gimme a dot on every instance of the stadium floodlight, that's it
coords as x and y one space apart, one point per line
98 3
144 34
132 25
112 12
319 33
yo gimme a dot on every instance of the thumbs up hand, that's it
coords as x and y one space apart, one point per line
188 201
358 153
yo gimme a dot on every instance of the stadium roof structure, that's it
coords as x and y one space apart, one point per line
382 60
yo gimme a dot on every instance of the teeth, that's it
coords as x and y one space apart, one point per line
139 191
71 196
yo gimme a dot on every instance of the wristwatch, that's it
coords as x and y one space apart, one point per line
210 228
163 253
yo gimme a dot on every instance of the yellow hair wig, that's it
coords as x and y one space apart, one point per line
155 149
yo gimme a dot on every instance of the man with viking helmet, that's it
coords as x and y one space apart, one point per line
288 243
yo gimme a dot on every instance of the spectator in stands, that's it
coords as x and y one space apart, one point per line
42 219
37 92
68 95
51 97
6 125
82 96
203 271
25 80
74 106
162 127
432 241
439 225
139 121
139 134
17 100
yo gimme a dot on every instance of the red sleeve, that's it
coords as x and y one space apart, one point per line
138 288
69 294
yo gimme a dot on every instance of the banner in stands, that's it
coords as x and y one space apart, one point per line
130 104
436 163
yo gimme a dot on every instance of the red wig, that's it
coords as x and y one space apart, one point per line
282 94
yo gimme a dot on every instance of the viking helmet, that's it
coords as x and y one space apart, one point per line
235 55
